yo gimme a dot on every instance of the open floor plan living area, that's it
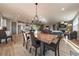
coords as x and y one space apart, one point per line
39 29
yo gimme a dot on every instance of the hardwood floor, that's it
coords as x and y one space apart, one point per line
75 41
14 48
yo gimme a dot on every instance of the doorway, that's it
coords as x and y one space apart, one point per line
13 27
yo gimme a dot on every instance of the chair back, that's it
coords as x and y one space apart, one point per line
24 36
33 38
2 34
75 35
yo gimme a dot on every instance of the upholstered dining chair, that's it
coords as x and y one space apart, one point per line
53 46
24 38
35 43
9 35
28 42
3 35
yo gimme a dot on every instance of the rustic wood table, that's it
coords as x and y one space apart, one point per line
45 38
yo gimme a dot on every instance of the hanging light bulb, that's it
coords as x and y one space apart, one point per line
36 16
62 22
65 23
38 19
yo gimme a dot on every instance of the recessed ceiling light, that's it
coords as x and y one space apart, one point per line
65 23
62 22
69 24
63 9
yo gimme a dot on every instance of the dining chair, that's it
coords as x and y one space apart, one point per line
73 35
53 46
35 42
28 40
3 35
9 35
24 38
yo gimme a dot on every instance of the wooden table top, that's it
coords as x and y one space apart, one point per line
47 38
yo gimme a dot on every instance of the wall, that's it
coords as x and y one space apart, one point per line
21 26
78 27
4 22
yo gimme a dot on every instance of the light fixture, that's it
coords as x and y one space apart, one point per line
62 9
69 24
0 28
65 23
36 18
62 22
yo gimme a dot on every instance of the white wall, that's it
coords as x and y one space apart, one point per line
21 26
78 27
6 23
75 24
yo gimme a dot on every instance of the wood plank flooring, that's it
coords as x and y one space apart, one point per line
14 48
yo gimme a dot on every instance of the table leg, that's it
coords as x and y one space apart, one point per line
6 40
41 49
0 41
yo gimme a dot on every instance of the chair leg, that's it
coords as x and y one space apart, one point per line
11 39
30 50
26 45
44 51
58 51
0 41
55 53
35 51
6 41
23 43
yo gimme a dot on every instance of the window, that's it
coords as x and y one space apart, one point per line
75 24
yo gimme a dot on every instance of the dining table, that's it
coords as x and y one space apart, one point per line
44 38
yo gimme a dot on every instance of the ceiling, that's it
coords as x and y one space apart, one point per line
52 12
